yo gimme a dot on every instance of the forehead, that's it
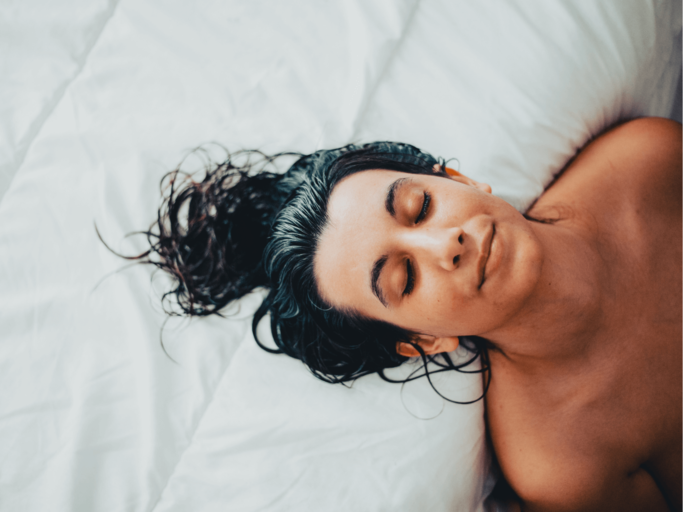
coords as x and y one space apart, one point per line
359 187
349 244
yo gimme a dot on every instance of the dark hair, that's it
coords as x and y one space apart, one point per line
243 226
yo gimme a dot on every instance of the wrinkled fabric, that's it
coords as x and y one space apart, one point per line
105 407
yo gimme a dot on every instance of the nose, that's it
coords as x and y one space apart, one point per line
440 246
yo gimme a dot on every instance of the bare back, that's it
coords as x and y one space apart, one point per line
601 430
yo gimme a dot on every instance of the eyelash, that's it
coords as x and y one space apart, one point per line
425 207
410 284
411 279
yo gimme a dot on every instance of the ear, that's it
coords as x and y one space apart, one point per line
430 345
455 175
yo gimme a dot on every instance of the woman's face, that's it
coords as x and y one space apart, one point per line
437 256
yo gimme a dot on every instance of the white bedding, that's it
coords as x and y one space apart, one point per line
100 98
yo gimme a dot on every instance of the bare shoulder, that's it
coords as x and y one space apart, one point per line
557 480
646 154
636 163
592 439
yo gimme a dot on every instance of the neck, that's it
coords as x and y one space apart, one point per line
564 311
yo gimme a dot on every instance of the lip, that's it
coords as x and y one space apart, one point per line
485 254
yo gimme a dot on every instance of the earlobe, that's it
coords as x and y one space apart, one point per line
406 349
485 187
437 168
464 179
452 172
429 344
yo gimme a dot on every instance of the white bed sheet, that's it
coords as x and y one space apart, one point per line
43 47
101 98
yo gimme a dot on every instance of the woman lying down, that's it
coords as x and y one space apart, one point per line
377 253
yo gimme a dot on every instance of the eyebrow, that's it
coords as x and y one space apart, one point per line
390 205
389 202
374 279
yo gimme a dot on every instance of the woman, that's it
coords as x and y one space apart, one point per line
377 255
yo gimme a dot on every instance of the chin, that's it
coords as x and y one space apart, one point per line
528 271
516 285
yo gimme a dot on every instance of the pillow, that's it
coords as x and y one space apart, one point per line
94 415
514 89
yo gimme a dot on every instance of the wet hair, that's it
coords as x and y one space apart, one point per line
242 227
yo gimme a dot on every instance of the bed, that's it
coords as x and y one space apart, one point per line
108 405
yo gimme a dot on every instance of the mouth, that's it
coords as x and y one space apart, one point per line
484 255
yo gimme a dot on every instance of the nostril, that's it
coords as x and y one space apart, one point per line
460 239
456 260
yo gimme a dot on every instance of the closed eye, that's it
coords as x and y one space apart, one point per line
425 207
410 281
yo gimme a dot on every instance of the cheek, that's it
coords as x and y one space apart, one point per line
439 308
447 291
445 310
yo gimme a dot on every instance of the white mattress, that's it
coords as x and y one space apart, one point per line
100 98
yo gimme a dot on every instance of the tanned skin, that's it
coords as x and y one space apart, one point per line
582 308
588 417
